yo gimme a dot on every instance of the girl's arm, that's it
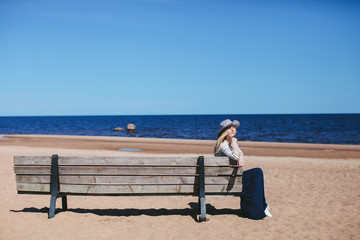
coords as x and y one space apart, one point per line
241 160
235 154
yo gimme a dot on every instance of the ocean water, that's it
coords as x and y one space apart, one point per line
300 128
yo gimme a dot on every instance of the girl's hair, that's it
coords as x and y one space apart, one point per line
220 140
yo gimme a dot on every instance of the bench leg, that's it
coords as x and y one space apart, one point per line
52 206
202 207
64 202
54 184
201 199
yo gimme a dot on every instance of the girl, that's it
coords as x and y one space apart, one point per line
253 203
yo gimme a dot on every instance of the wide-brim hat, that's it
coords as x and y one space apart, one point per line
226 124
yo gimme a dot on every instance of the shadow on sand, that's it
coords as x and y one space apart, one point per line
192 211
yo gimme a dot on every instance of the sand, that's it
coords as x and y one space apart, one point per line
313 191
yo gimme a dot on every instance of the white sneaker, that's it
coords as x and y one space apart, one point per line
267 212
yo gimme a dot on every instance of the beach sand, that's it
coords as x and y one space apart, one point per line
313 191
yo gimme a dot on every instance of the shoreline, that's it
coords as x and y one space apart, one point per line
180 146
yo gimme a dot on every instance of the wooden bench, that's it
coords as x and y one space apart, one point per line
60 176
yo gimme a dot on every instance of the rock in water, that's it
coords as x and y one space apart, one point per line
130 127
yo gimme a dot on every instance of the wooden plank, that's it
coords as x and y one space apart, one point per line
127 179
123 160
213 189
124 170
32 178
144 170
32 170
33 187
32 160
236 180
127 170
126 189
85 179
144 189
144 180
129 160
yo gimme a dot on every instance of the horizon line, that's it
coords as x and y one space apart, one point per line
205 114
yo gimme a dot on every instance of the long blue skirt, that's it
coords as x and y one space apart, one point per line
252 196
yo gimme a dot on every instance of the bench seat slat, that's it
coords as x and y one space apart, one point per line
32 160
145 179
33 187
83 179
143 170
32 170
126 189
33 178
121 160
123 170
145 189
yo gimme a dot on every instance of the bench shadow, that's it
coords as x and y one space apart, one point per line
192 211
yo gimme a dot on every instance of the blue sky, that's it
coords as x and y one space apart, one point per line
124 57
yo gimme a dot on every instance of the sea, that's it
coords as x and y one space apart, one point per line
296 128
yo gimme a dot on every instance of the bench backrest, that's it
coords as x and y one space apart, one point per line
139 175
